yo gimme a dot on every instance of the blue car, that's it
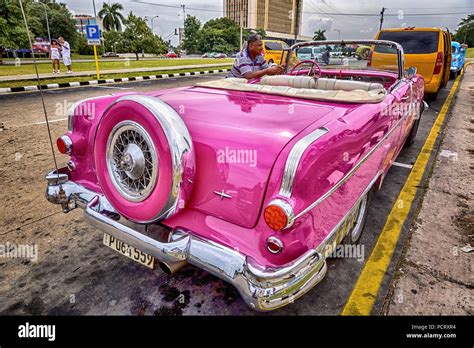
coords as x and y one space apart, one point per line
458 53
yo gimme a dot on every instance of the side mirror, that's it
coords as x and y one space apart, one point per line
410 73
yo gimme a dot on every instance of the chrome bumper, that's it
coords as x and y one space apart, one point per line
261 288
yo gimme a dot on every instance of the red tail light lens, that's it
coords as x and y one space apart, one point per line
64 144
275 217
274 245
439 63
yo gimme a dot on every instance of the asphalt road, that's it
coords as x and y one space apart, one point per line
76 274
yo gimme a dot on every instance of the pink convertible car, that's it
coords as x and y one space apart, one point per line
256 182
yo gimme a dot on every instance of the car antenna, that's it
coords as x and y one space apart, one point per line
61 191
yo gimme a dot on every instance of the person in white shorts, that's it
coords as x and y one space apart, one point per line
66 53
54 56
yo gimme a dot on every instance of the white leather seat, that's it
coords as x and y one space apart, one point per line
318 83
337 95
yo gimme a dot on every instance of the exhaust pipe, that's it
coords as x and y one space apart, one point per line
171 267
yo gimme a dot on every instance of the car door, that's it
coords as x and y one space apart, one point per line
404 110
447 57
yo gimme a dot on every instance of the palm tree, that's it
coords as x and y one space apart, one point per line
111 17
319 35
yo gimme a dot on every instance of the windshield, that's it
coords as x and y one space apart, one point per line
341 56
413 42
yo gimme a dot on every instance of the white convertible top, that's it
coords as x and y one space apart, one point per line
324 89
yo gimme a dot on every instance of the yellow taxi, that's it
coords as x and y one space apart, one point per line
427 49
273 50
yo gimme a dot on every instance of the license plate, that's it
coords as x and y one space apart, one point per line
129 251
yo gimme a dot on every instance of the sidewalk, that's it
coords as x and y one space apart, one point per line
436 275
115 71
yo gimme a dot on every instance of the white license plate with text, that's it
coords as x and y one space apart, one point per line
129 251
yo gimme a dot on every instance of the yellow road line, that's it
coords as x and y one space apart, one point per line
365 292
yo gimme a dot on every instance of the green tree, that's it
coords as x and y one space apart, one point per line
319 35
111 17
192 25
12 27
113 41
137 37
465 31
221 34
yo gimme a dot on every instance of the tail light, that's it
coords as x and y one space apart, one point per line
369 61
439 63
274 245
64 144
278 215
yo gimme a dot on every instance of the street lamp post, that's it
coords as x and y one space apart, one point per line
47 21
151 19
338 33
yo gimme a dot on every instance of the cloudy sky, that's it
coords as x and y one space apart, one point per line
355 19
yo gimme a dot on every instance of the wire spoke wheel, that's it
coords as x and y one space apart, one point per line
132 161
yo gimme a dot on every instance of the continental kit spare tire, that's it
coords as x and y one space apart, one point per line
144 158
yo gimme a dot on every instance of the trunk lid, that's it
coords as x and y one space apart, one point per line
237 137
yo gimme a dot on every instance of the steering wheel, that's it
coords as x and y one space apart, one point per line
312 62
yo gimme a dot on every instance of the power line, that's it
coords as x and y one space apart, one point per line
308 12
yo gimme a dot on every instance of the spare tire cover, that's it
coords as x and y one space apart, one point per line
144 158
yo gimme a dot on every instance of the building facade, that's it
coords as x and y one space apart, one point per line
82 21
276 17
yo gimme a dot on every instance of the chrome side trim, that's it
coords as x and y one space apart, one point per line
181 146
330 238
353 170
294 159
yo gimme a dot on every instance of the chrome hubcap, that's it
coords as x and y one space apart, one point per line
132 161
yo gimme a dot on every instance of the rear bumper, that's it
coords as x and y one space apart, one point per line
434 84
261 288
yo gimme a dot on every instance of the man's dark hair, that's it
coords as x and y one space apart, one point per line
253 37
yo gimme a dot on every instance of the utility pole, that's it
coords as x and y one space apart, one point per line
184 14
381 17
47 22
181 39
241 28
297 22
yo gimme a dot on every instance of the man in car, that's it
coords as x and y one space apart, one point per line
250 63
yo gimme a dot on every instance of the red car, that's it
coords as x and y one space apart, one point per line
171 55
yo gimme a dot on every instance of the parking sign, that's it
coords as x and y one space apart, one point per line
93 34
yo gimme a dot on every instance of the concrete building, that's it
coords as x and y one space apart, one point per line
82 20
276 17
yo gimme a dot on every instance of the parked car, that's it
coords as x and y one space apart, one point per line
219 55
273 51
458 56
257 200
427 49
206 55
315 53
171 55
109 55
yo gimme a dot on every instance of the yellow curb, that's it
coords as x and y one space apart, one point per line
364 294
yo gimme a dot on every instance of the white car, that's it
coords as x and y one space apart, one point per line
313 53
